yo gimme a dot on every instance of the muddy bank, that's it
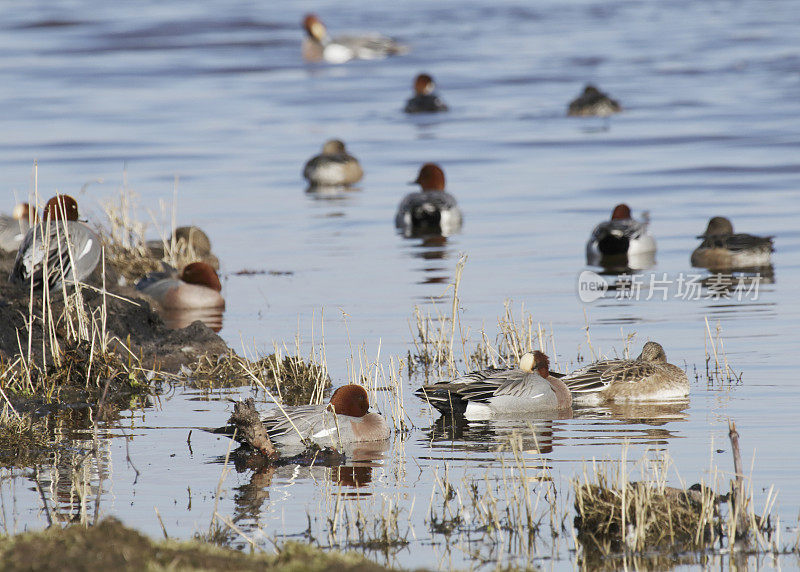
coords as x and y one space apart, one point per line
111 546
125 316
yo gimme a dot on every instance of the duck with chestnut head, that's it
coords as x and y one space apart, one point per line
342 424
432 210
318 45
59 250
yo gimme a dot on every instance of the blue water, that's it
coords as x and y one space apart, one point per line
211 98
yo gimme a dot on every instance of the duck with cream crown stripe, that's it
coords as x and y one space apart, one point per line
530 388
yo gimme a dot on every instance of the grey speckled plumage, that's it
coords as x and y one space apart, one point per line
12 231
425 103
500 391
70 244
429 211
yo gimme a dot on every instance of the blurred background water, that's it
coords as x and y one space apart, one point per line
211 100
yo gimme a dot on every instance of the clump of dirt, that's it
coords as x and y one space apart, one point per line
292 379
655 517
110 545
54 344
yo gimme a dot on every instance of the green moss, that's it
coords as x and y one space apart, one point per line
112 546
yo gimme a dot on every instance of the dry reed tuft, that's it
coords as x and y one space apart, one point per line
616 515
294 380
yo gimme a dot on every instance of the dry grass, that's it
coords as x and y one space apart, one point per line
290 378
615 514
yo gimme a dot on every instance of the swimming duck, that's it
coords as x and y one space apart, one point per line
346 420
13 227
622 235
318 45
530 388
197 287
424 100
722 249
71 248
431 211
333 167
647 378
593 102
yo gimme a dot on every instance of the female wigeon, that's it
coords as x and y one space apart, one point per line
647 378
431 211
70 248
333 167
424 100
721 249
621 236
318 45
13 227
530 388
346 420
198 286
593 102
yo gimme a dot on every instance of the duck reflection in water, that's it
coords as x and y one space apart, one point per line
432 247
455 433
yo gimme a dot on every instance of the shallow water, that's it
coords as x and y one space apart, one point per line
211 98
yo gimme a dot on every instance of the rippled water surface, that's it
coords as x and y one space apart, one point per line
211 99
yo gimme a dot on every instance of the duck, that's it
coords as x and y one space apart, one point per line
621 236
529 388
722 249
431 211
71 248
197 287
424 100
319 46
345 421
593 102
334 167
649 377
14 226
187 241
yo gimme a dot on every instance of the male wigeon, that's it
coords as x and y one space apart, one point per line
530 388
647 378
58 250
345 421
424 100
198 286
319 46
333 167
721 249
621 236
14 226
431 211
593 102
